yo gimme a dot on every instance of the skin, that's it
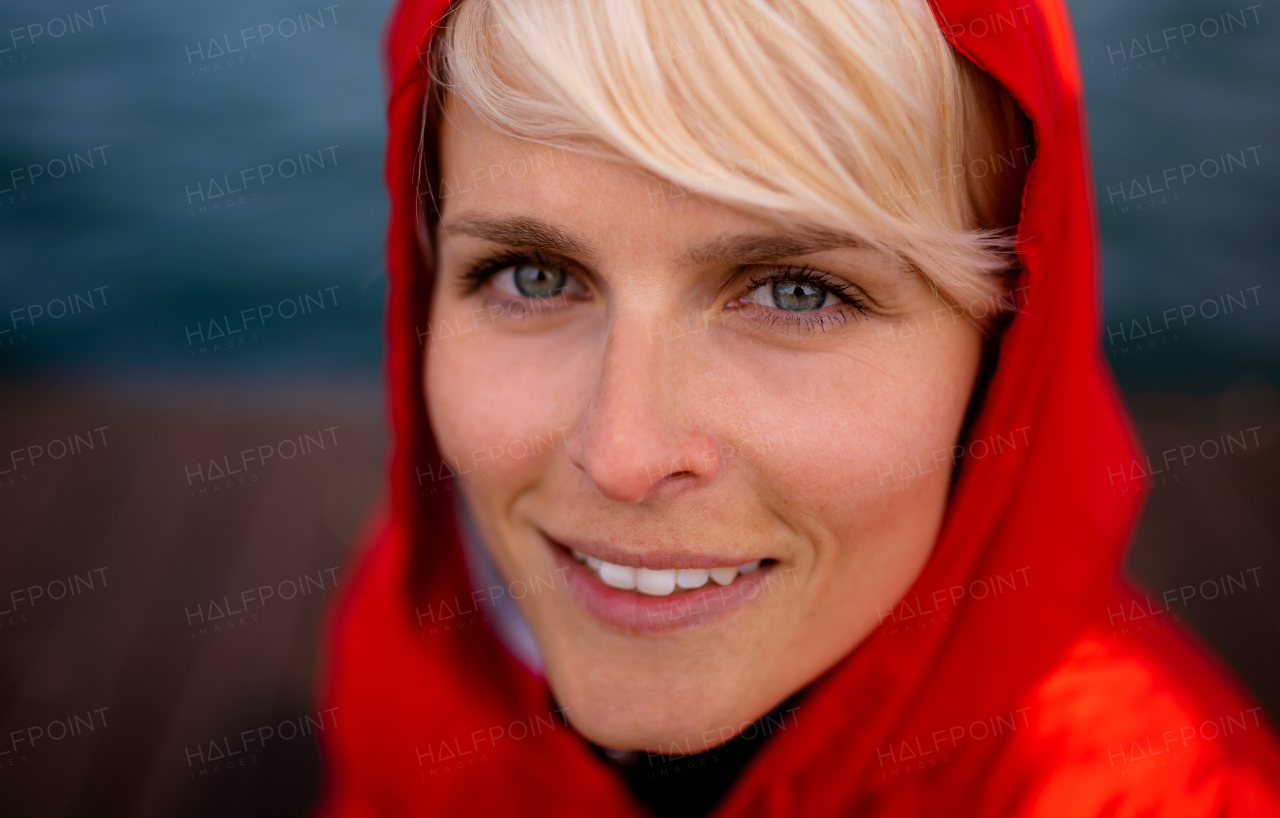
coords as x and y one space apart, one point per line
691 415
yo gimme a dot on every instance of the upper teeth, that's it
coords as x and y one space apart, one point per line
661 583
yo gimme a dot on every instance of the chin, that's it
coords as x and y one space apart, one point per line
655 707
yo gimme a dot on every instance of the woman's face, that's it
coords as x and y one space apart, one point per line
674 388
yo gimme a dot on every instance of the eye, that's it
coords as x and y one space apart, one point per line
800 296
792 295
533 280
800 299
525 277
536 280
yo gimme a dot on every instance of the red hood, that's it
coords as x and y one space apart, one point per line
1040 526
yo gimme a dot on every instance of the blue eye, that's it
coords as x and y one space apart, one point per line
538 281
798 296
791 294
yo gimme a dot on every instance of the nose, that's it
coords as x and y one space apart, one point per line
638 436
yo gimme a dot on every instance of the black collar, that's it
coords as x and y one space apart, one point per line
690 785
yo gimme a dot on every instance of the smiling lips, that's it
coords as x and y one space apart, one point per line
664 582
676 594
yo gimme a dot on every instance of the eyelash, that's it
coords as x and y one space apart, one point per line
851 306
474 276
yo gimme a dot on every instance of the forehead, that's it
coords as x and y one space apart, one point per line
484 173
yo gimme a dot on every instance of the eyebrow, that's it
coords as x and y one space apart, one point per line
521 231
754 248
742 248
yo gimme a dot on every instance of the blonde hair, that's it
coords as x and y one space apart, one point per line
850 116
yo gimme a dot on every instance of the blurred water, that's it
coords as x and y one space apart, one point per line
143 83
1213 88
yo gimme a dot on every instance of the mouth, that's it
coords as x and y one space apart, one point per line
661 582
674 595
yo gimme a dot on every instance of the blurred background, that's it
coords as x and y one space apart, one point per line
191 217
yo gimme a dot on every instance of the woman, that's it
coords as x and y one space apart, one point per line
751 438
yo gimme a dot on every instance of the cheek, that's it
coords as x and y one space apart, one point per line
497 406
830 442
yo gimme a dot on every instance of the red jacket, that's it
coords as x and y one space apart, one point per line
1019 676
